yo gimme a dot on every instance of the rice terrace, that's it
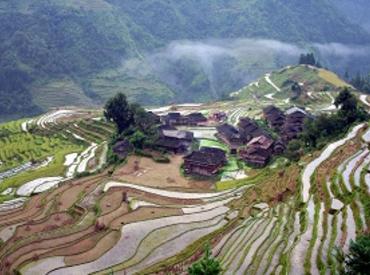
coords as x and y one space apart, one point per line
74 200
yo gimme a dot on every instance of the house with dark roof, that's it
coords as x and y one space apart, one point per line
258 151
176 119
205 162
173 118
274 117
174 140
194 119
249 129
229 135
294 123
279 147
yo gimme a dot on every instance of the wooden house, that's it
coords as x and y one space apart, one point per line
258 151
176 119
274 117
294 123
194 119
175 141
249 129
205 162
229 135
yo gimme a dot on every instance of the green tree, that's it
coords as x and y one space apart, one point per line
119 111
346 101
208 265
358 258
137 139
294 150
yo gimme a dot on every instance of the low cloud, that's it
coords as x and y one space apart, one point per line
342 50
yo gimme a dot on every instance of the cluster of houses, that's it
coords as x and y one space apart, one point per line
254 144
248 140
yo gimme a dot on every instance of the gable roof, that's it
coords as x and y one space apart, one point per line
207 156
178 134
262 142
229 131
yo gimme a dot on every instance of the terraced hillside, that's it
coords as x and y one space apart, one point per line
303 85
39 153
134 219
282 219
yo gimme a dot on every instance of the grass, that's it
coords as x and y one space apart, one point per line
17 147
56 168
213 144
332 78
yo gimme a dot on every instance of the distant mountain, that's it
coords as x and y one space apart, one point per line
80 52
357 11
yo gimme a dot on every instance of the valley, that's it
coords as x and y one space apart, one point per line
65 209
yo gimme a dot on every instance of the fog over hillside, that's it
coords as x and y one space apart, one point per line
55 53
243 60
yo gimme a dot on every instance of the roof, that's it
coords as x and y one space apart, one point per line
229 131
256 153
174 115
295 110
196 116
166 127
262 142
169 142
178 134
249 127
271 110
206 156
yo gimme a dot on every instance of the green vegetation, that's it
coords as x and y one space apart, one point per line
325 128
362 83
212 143
18 147
358 259
309 59
207 265
59 52
132 122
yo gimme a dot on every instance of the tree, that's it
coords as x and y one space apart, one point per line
208 265
294 150
358 258
119 111
308 59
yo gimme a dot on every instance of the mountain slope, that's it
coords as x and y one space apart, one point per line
356 11
104 46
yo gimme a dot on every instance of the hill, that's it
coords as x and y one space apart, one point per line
303 85
103 46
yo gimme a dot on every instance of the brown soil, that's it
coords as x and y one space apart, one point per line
145 171
153 198
111 201
30 249
79 247
52 222
104 245
71 195
144 213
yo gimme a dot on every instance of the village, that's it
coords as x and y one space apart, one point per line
249 142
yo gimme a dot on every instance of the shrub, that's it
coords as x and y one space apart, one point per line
208 265
357 260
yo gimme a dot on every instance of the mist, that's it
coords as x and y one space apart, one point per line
211 69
